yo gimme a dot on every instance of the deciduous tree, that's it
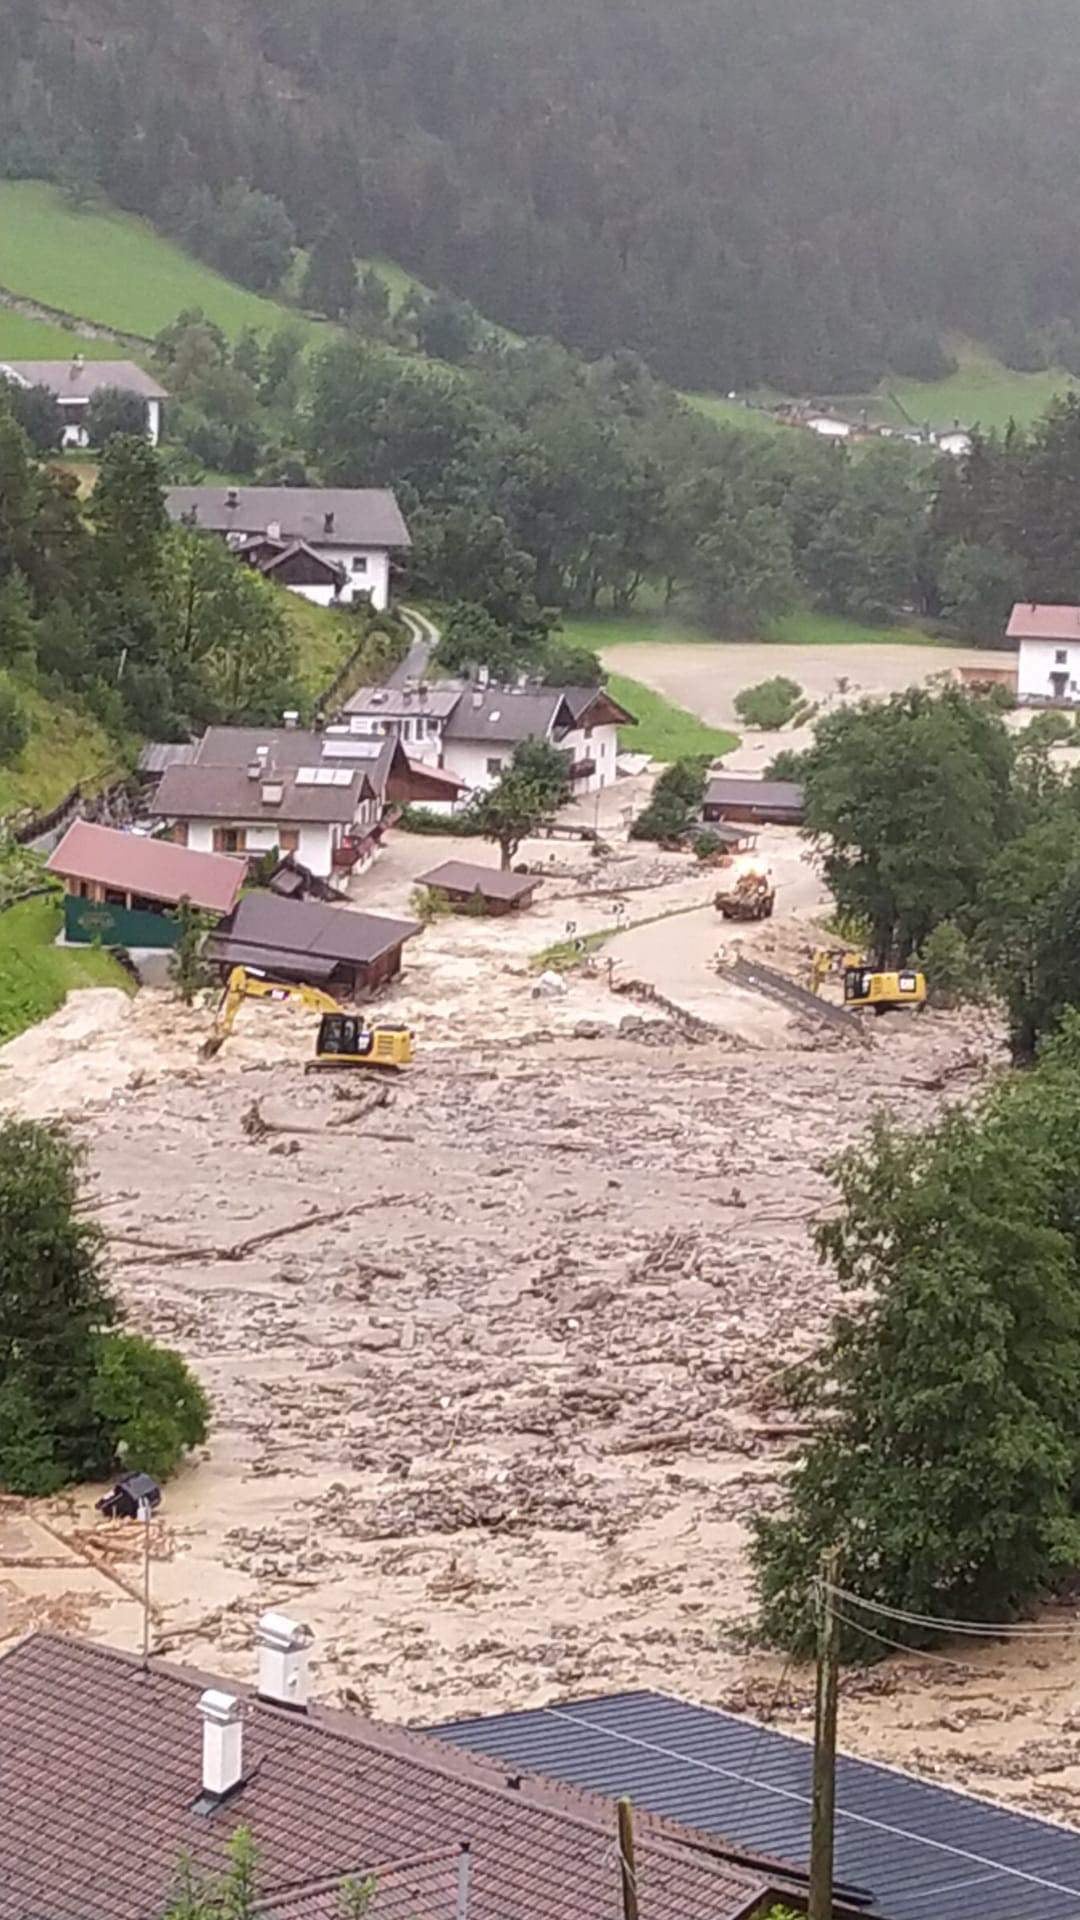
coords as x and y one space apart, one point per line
526 797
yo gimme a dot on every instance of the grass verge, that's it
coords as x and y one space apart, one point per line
803 628
35 975
65 746
664 731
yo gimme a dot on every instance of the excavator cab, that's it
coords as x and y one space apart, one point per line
345 1041
883 992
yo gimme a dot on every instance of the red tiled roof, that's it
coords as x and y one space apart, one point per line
1039 621
157 868
100 1772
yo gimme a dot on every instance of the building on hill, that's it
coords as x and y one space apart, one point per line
470 730
323 797
1048 660
123 889
112 1774
905 1848
74 383
332 545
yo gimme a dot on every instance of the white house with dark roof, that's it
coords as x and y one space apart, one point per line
471 731
333 545
74 383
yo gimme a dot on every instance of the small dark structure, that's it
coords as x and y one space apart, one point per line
729 797
291 880
352 954
467 886
128 1495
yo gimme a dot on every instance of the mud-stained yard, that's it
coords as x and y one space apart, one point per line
496 1351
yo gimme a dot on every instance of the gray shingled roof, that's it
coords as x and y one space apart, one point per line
921 1852
80 380
498 713
731 790
363 516
466 876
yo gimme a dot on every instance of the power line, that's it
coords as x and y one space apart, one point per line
978 1629
901 1646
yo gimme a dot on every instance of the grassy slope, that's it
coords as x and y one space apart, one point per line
23 338
113 268
35 976
665 731
64 746
982 392
324 638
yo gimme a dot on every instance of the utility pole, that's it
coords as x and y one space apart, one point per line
824 1805
627 1867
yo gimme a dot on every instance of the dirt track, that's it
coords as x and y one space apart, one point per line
495 1426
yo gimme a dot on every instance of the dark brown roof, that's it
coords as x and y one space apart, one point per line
101 1771
596 707
312 929
461 876
157 868
200 792
362 516
728 790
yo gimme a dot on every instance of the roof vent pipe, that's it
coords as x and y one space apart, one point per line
283 1660
223 1737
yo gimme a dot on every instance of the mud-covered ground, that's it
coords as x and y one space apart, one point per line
496 1351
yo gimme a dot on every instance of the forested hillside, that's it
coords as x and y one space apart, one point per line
740 190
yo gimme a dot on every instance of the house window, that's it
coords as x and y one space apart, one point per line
289 840
178 833
1061 658
359 563
228 839
588 733
494 766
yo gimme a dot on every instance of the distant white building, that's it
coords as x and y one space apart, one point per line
828 426
1048 663
329 544
956 442
74 383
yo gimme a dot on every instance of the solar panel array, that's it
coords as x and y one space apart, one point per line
905 1849
324 776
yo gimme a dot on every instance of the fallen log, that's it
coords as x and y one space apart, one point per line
177 1256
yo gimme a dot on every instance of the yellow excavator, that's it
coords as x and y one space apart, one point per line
867 988
343 1040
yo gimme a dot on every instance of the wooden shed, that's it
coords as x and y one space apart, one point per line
730 797
489 889
351 954
123 889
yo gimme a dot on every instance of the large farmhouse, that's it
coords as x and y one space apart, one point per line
1048 663
74 383
332 545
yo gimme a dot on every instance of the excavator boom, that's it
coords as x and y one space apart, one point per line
343 1040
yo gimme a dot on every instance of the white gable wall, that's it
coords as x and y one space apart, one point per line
1040 661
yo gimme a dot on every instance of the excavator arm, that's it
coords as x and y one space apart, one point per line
244 984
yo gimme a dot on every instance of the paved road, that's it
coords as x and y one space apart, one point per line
425 636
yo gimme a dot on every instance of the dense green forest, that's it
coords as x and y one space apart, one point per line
738 190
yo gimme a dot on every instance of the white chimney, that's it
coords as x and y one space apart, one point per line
273 529
478 698
291 718
222 1744
283 1660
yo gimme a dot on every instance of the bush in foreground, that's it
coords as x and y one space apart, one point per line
77 1397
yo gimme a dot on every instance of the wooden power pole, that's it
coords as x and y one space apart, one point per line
627 1864
824 1805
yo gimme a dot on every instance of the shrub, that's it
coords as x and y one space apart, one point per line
954 974
706 842
786 765
426 820
770 704
427 904
676 801
114 410
14 726
151 1407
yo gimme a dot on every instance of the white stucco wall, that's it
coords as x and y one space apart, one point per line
375 581
420 735
1038 660
597 743
314 852
469 760
153 421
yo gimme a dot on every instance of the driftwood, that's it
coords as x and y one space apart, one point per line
646 1442
176 1256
